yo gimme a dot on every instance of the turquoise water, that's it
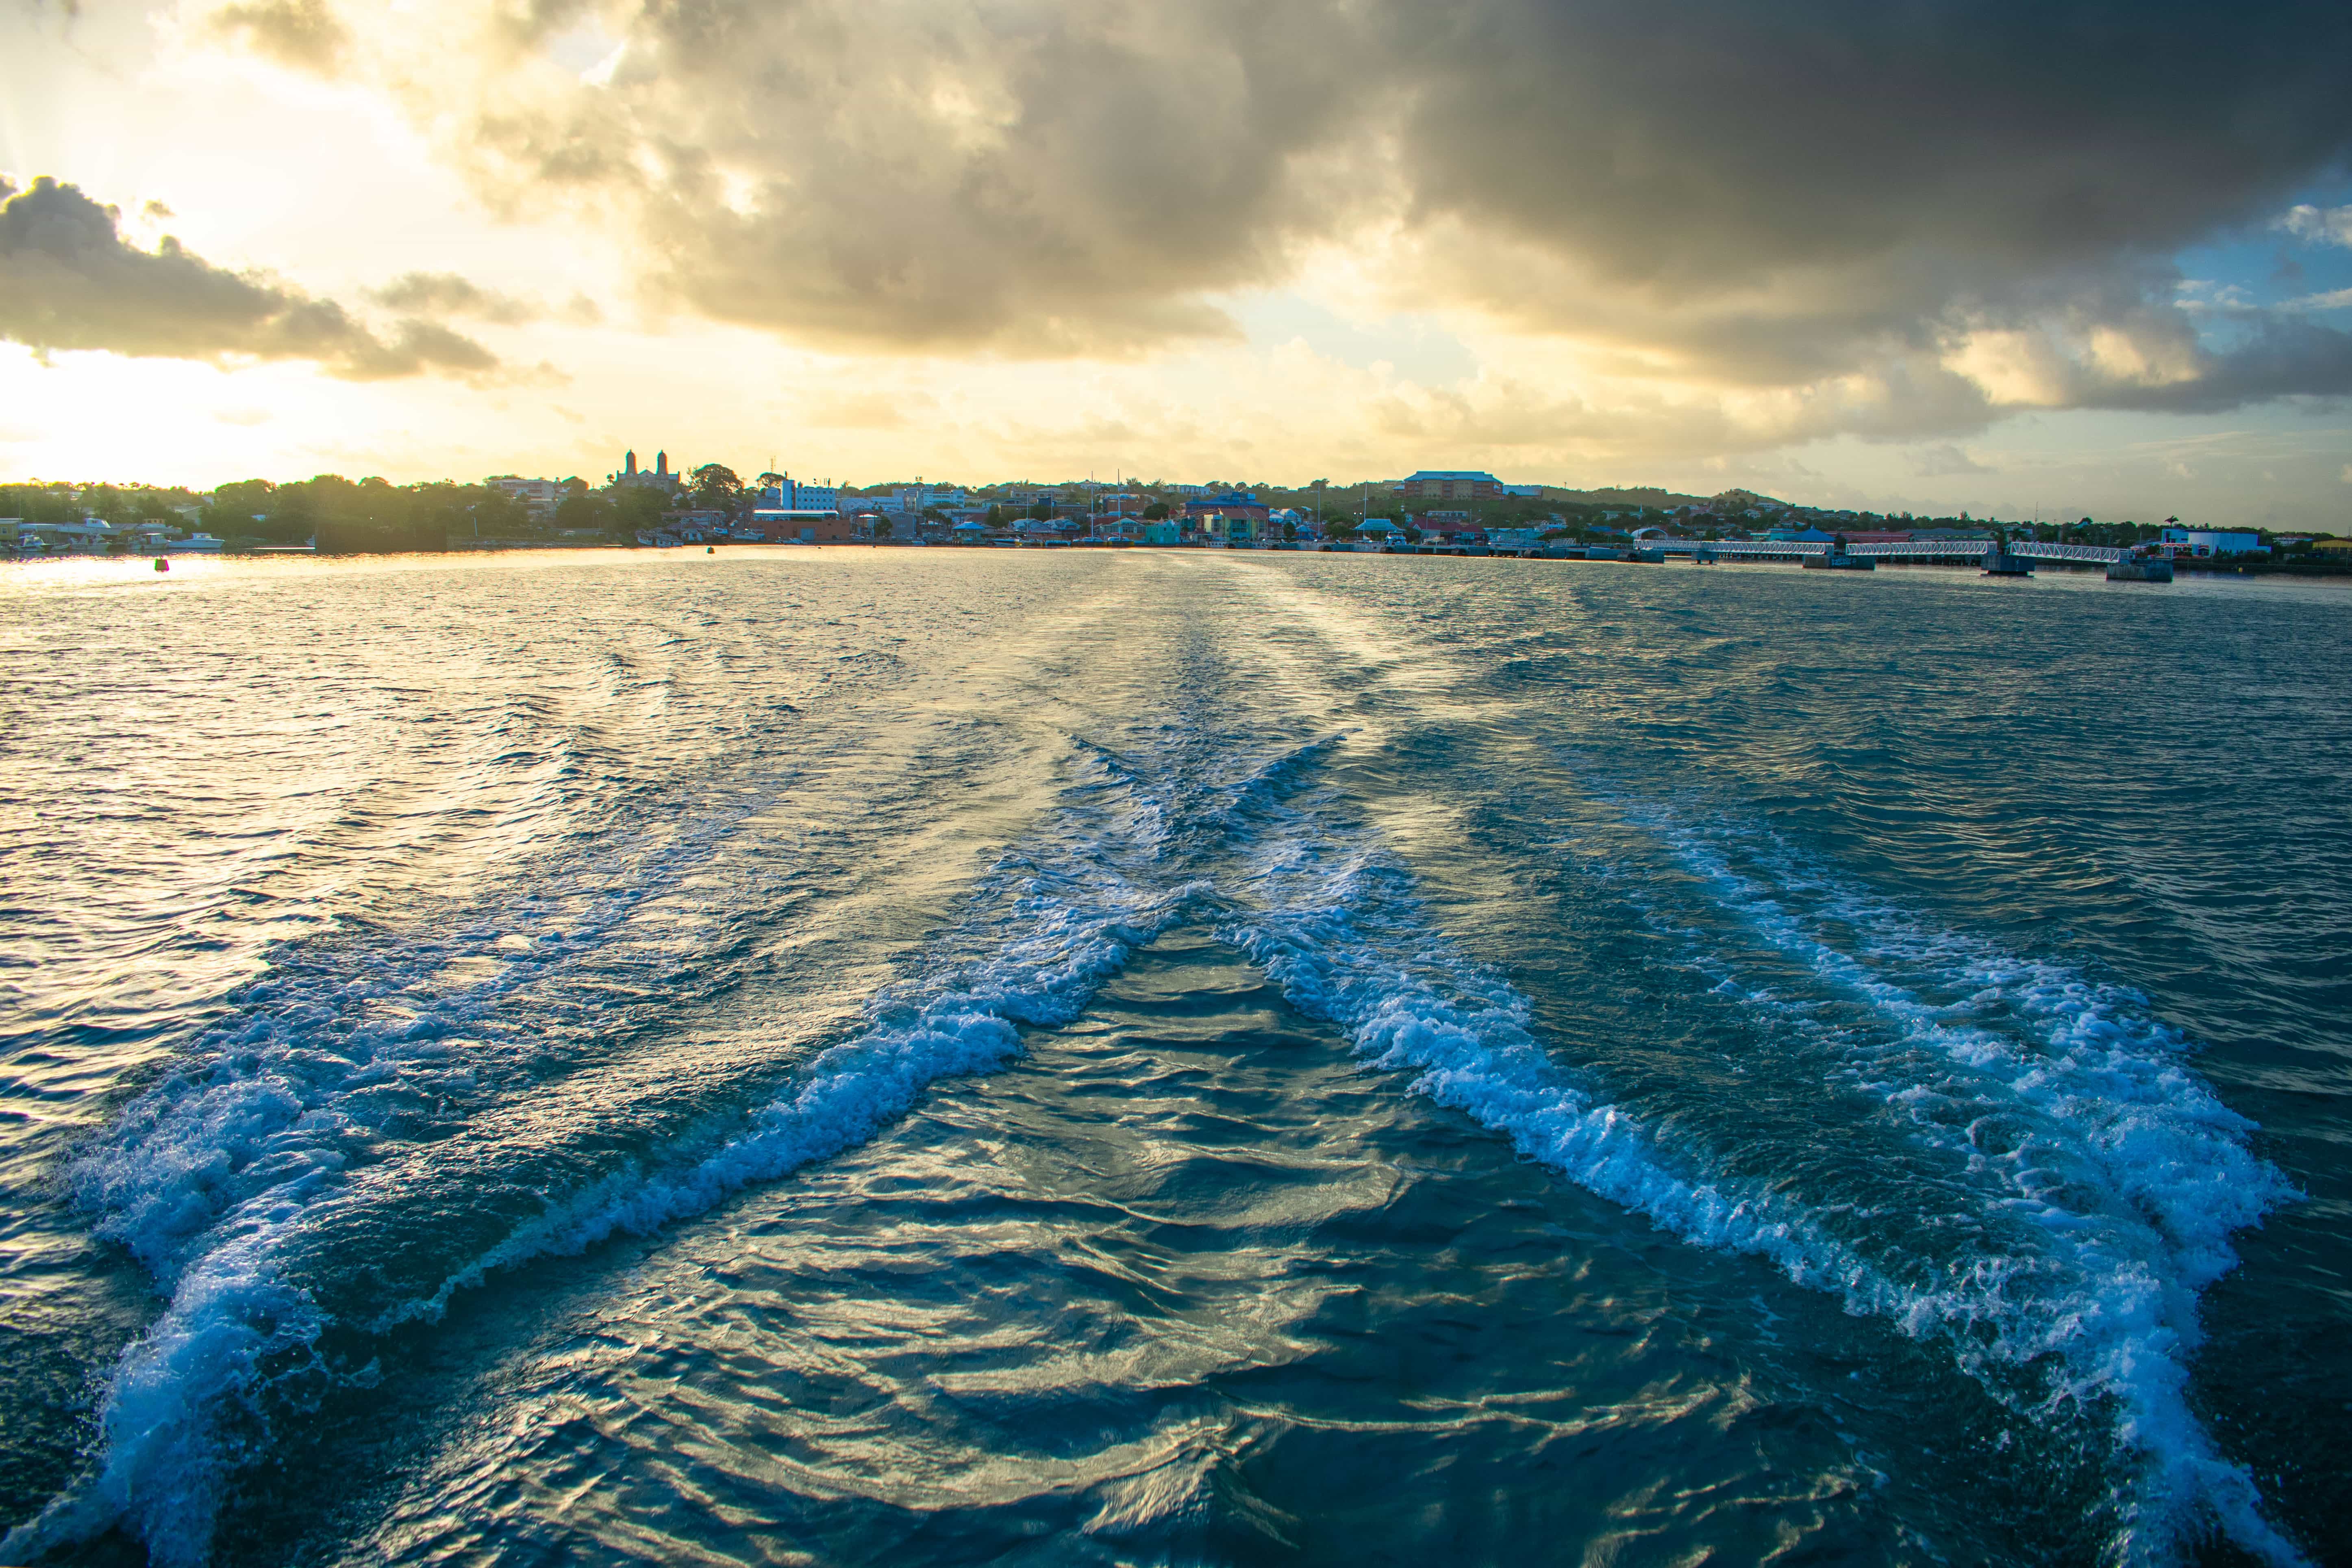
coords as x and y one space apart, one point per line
1171 1057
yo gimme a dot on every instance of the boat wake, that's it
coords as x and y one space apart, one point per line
2090 1182
2108 1178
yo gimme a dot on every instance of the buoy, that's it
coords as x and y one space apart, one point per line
710 550
162 565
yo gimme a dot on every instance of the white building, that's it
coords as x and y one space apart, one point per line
793 495
89 536
2204 544
539 497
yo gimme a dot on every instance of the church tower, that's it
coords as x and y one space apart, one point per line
629 469
661 465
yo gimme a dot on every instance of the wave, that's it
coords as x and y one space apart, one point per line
2102 1286
2107 1081
2108 1200
215 1178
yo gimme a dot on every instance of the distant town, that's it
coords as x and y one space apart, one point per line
657 505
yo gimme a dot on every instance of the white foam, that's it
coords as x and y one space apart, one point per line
2111 1297
2107 1081
212 1177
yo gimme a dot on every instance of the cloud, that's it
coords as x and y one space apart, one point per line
70 281
303 33
867 410
444 294
2279 356
1061 179
440 294
1945 461
2322 226
448 294
1842 203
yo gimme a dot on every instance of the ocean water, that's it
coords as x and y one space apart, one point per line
1156 1057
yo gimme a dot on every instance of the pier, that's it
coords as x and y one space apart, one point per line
1913 552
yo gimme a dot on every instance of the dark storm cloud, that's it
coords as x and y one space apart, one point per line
1799 189
1039 178
1764 195
1704 145
69 281
2281 356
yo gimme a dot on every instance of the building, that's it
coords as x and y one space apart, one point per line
2206 543
779 525
791 495
1164 531
1450 484
906 502
539 498
90 536
1237 504
696 525
658 477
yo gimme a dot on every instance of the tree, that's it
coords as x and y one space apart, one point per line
1291 533
235 507
105 504
638 510
881 528
1043 512
995 518
579 513
1156 511
715 485
38 503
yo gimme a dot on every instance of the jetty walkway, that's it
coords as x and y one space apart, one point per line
1926 552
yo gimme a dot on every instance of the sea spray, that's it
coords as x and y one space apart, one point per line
1334 920
190 1402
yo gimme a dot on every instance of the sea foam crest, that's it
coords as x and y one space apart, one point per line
2103 1078
1337 924
1047 927
2091 1085
350 1033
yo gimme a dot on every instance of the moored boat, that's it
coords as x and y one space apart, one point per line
2139 567
1835 559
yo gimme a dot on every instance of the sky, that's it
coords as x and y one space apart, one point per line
2054 259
